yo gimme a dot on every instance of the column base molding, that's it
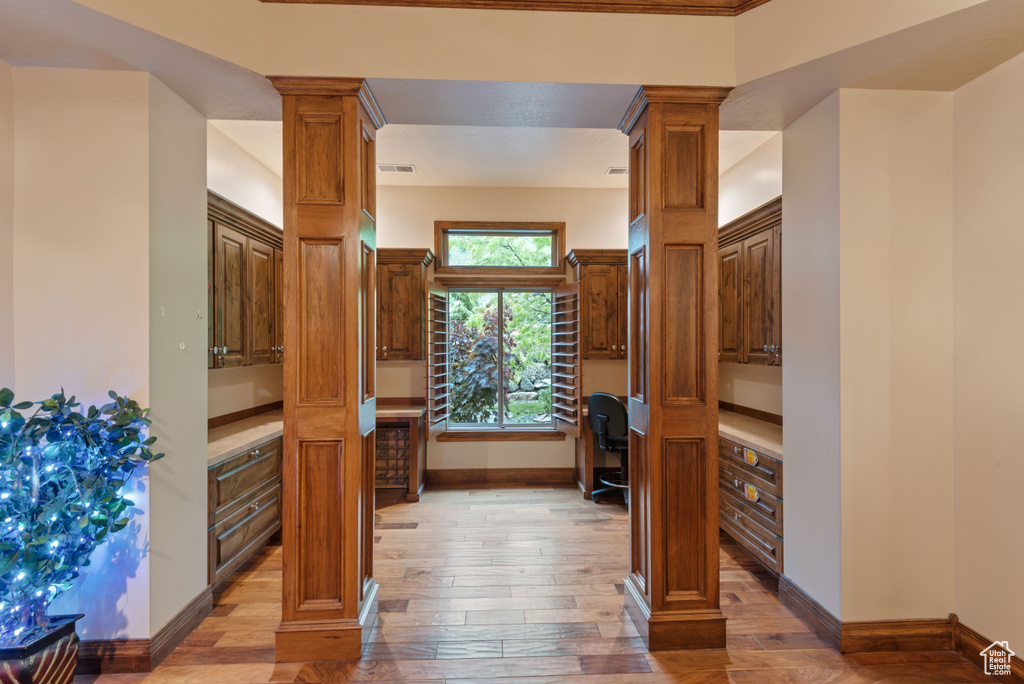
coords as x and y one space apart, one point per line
302 640
676 630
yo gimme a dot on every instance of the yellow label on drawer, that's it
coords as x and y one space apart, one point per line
751 492
750 456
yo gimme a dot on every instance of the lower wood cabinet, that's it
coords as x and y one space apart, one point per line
244 507
750 501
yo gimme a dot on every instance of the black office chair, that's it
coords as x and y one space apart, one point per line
610 422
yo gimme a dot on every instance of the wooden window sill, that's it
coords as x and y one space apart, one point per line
501 436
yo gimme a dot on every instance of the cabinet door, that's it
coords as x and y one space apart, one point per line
621 309
730 299
260 314
400 312
758 298
211 309
229 292
600 294
278 306
777 295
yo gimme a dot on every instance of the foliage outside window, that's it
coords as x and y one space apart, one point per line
496 248
500 358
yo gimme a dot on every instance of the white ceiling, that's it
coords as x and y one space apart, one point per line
496 156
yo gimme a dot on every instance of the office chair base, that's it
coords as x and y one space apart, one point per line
616 485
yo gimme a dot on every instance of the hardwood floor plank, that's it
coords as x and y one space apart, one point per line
614 664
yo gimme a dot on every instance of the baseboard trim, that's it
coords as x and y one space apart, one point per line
128 656
970 644
180 626
113 656
767 417
217 421
500 477
825 624
875 636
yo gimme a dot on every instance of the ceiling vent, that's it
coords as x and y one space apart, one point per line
396 168
617 171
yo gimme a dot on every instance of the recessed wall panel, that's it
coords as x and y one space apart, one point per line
321 321
320 529
683 321
684 514
683 175
319 148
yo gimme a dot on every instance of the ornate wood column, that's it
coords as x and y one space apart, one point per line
672 589
329 595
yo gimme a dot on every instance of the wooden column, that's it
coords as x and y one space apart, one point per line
329 594
672 589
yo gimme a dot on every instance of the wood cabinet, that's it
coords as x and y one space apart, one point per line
401 303
750 287
402 454
244 508
246 283
602 275
750 501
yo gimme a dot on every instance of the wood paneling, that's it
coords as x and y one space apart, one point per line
603 277
727 8
329 594
730 293
401 307
672 591
637 325
758 298
322 333
278 305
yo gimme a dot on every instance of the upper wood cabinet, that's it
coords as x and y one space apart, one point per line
750 287
401 300
244 264
602 274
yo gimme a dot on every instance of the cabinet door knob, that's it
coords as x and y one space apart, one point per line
613 347
735 450
736 516
766 347
771 348
384 349
736 483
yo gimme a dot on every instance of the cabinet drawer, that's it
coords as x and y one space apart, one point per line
766 473
766 510
760 542
233 481
233 540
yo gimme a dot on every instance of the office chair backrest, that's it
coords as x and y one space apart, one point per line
608 420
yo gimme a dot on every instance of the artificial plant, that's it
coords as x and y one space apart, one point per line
61 476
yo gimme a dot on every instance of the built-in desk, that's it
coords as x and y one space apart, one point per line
401 448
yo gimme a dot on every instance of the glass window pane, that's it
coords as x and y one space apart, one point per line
473 357
527 345
516 250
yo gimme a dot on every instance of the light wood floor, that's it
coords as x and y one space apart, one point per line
522 586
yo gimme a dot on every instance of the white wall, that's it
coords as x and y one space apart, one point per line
810 322
6 225
237 176
896 353
81 284
988 245
177 352
595 219
748 184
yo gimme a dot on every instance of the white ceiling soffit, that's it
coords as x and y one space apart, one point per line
502 156
939 55
734 146
261 139
501 103
64 34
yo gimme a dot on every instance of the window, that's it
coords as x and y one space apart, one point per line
503 342
499 248
499 358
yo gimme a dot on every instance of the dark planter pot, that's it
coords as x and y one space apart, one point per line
48 659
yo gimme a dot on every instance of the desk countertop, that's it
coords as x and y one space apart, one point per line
242 435
400 411
751 432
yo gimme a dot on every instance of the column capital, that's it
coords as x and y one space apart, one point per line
651 94
330 85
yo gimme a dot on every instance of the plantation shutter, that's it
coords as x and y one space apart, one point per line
565 358
437 359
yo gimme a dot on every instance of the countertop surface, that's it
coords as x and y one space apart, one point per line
235 438
751 432
243 435
400 411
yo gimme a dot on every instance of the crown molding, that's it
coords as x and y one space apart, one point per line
330 85
707 8
654 94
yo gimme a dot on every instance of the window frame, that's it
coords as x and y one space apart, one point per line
442 229
486 433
